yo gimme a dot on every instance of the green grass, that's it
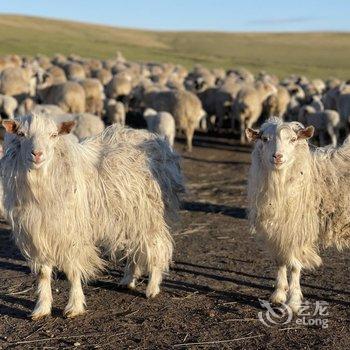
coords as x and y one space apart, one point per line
311 54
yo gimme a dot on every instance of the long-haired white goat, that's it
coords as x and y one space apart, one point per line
67 200
299 200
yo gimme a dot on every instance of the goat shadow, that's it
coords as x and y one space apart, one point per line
188 268
210 161
219 144
206 207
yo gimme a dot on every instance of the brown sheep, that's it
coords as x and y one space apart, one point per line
119 86
75 71
69 96
184 106
249 103
94 96
276 105
58 75
103 75
17 82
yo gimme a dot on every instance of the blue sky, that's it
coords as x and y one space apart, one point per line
219 15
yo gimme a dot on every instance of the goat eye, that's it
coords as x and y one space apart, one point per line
20 134
293 139
54 135
265 138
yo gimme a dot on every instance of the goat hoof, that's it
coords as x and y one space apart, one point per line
37 315
152 292
73 312
278 297
126 283
295 307
131 285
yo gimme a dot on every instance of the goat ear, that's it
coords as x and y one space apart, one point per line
66 127
11 126
306 133
252 135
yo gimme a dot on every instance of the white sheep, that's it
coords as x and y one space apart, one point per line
298 200
8 105
46 109
326 122
68 201
115 112
184 106
85 124
17 82
161 123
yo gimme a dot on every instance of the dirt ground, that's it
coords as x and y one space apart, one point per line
211 295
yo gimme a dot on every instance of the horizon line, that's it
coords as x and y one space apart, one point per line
60 19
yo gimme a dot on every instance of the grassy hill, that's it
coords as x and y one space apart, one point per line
312 54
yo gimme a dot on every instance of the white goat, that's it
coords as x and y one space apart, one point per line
298 199
66 201
161 123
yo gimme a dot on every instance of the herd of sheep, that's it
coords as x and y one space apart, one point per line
76 192
80 88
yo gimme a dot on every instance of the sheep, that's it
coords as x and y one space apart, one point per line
9 62
248 105
45 109
329 99
28 105
298 200
94 64
216 102
161 123
319 86
219 74
175 79
69 96
59 60
120 86
8 106
332 83
242 74
267 78
325 122
15 82
85 124
25 106
184 106
58 75
75 71
316 102
94 95
200 79
115 112
43 61
343 105
277 104
67 201
103 75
